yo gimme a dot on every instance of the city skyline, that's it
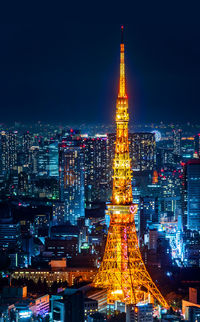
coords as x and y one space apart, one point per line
100 165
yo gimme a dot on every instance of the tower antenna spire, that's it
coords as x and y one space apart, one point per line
122 34
122 80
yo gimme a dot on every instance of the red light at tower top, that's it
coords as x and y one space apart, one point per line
122 34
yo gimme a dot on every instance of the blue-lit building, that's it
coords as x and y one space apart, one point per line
53 159
71 176
187 148
10 236
197 144
43 160
192 194
148 213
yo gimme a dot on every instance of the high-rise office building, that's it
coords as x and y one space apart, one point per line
177 141
8 151
170 186
23 186
187 148
53 159
143 151
191 191
148 212
34 155
12 149
27 141
165 157
95 165
110 157
43 160
71 176
197 144
4 152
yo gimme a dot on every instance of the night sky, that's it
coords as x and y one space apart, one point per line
60 63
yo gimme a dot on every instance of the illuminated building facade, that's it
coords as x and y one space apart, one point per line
192 194
177 141
190 248
165 157
170 186
26 145
4 153
122 271
23 185
55 275
155 178
12 149
43 160
9 142
34 155
10 235
143 151
110 157
71 177
187 148
197 144
140 313
53 160
58 209
148 212
95 165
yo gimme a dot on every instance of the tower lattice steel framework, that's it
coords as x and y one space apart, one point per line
122 270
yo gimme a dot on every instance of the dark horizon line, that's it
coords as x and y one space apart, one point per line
62 123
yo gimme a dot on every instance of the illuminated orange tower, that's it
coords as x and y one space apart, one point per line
122 270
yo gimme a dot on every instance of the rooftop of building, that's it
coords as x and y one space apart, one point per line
59 269
193 161
66 228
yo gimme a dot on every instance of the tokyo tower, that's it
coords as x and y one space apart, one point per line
122 271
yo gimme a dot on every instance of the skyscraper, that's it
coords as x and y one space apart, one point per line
71 176
12 149
170 186
192 194
148 212
197 144
4 152
95 165
8 151
26 145
43 159
53 159
177 141
34 156
143 151
110 156
122 270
